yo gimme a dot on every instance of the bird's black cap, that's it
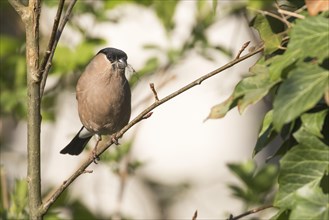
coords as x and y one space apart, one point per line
113 54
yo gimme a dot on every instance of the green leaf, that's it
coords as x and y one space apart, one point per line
280 65
165 12
305 163
311 203
117 154
260 4
14 102
255 184
265 178
67 59
281 215
284 148
244 171
19 201
253 89
248 91
310 36
313 122
214 6
304 137
113 4
266 134
220 110
299 93
271 40
238 191
52 216
8 45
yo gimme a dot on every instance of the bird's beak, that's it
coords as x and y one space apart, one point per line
122 63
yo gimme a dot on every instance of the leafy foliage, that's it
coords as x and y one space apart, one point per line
256 184
294 72
13 80
17 200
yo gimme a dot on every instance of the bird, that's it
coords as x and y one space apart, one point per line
104 99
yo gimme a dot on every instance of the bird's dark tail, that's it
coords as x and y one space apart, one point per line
76 146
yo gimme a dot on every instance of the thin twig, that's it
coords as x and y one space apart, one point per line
154 92
252 211
244 46
62 24
290 13
195 215
51 45
137 119
160 85
282 16
272 15
88 171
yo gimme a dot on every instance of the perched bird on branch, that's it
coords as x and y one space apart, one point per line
104 99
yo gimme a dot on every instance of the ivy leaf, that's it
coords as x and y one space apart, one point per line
248 91
310 36
220 110
311 203
244 171
281 215
253 89
304 164
256 183
280 65
266 134
299 93
313 122
271 40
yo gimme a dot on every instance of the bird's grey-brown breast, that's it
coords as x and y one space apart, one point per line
103 92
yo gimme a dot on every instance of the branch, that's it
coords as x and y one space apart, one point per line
139 118
252 211
51 45
272 15
33 108
19 8
195 215
290 13
154 92
56 34
244 46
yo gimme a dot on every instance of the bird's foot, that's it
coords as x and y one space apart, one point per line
114 139
94 151
95 157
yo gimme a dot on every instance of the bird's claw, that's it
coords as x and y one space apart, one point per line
114 139
95 157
